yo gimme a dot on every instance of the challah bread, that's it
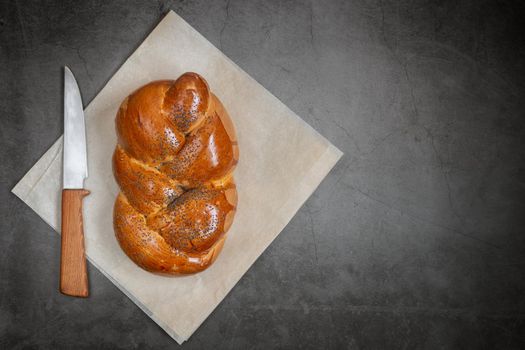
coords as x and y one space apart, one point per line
174 162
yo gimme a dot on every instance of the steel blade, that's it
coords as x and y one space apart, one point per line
75 153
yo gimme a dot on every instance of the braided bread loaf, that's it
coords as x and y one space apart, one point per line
174 162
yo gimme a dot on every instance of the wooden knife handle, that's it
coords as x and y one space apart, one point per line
73 269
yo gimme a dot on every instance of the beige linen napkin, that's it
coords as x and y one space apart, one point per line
282 161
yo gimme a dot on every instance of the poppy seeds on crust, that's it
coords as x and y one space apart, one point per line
184 207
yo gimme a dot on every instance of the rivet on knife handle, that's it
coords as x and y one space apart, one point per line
73 269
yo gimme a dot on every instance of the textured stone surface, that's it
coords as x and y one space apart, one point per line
415 240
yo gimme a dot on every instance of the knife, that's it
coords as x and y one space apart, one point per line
73 269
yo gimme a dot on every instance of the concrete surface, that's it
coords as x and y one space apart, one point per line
415 240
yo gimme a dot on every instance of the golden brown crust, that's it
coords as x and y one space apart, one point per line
174 162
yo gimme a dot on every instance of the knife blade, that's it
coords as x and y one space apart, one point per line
73 267
75 154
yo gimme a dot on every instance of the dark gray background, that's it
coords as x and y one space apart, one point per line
415 239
